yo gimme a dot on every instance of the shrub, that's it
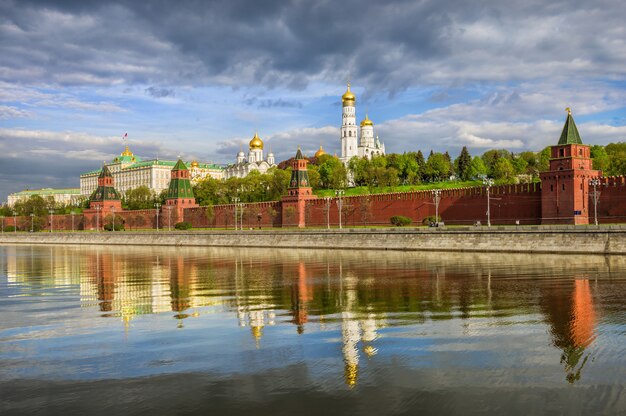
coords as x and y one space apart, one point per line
9 228
118 226
431 219
400 220
184 225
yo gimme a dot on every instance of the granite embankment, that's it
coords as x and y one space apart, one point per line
536 239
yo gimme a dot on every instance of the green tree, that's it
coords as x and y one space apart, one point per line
463 163
502 169
600 158
519 165
544 159
139 198
437 167
477 168
333 174
617 158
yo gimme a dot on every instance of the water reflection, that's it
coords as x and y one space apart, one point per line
377 303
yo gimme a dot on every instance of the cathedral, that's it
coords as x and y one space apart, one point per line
366 145
254 161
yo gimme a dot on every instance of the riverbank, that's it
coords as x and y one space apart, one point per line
536 239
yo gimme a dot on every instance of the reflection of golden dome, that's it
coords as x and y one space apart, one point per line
194 164
127 152
366 121
350 373
256 142
370 351
257 332
348 98
320 152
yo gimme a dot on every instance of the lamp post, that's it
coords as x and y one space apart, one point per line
2 221
327 199
51 219
32 222
72 214
339 193
235 200
15 222
169 218
595 182
437 197
113 218
241 208
488 182
157 206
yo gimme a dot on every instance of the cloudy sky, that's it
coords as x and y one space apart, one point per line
197 78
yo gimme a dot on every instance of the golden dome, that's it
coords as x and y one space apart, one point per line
320 152
256 142
348 98
127 152
194 164
366 121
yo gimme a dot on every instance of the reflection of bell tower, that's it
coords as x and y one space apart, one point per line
573 321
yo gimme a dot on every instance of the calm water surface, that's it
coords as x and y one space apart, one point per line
130 330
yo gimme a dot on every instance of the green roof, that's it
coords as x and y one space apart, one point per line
153 162
48 191
570 135
180 165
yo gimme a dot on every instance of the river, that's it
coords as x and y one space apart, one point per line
189 330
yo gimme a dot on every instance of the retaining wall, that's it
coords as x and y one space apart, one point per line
555 240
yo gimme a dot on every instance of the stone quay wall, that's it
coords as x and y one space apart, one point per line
528 239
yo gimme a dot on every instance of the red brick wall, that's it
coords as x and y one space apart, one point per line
611 202
224 215
457 206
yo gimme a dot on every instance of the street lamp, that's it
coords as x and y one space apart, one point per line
51 219
169 218
72 214
15 222
157 206
327 199
113 215
32 222
235 200
339 193
595 182
488 182
437 197
2 221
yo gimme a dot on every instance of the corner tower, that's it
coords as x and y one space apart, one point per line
565 187
348 135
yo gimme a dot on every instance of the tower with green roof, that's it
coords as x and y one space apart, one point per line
565 187
298 192
105 195
179 194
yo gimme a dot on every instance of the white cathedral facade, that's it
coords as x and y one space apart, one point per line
254 161
352 144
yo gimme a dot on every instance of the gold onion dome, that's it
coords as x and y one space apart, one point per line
127 152
348 98
256 142
366 121
194 164
320 152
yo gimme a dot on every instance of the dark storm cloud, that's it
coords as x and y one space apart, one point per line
157 92
392 45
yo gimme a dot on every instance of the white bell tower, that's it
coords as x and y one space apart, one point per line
349 130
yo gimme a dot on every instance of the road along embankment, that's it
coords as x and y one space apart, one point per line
536 239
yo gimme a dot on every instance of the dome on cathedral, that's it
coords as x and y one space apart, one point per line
194 164
256 142
366 121
320 152
348 98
